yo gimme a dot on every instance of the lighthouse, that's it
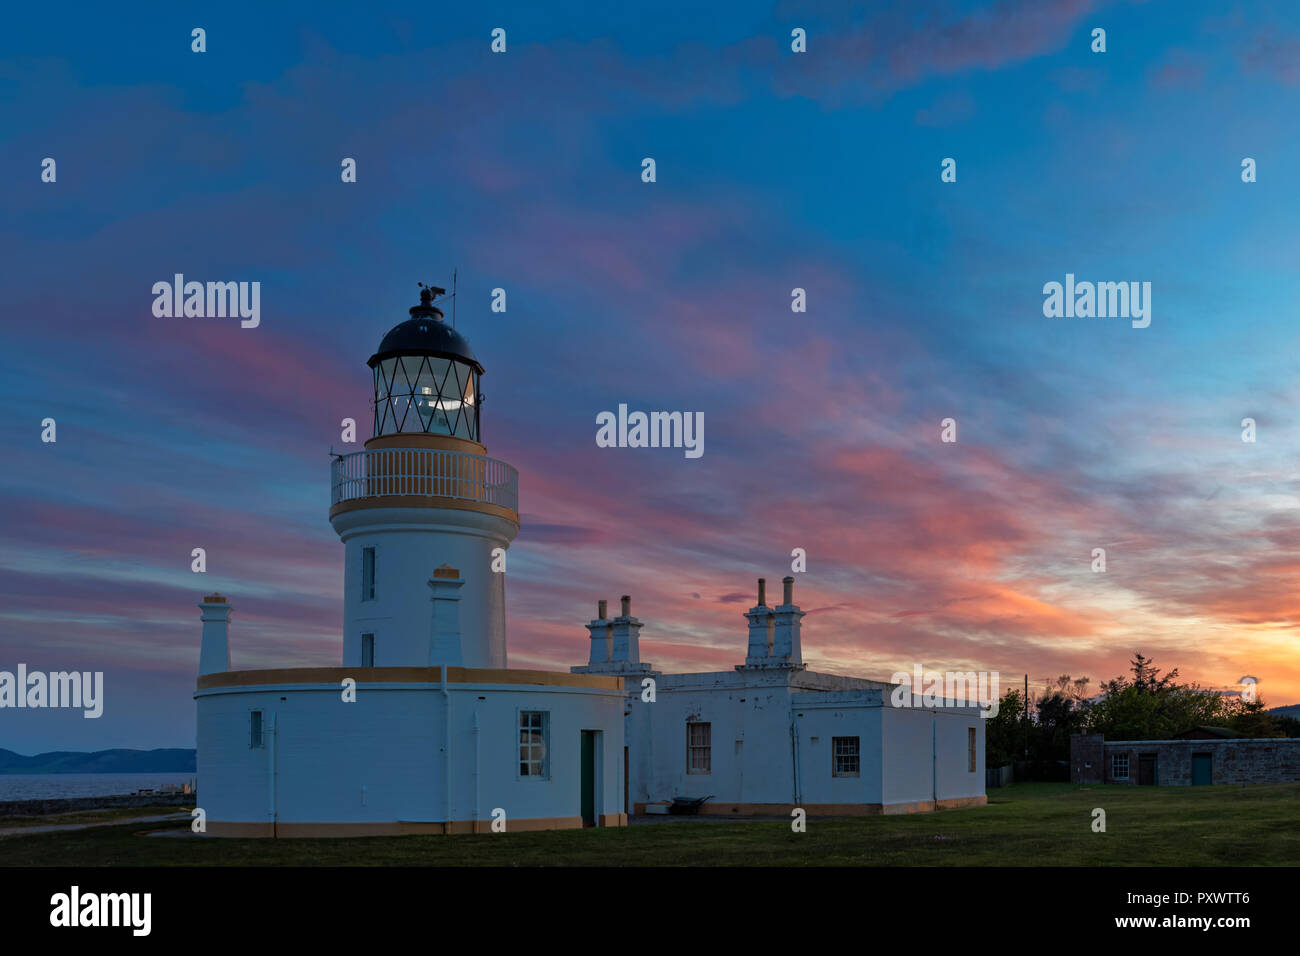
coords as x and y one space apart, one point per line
423 510
441 736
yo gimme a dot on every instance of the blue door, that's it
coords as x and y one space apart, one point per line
1202 772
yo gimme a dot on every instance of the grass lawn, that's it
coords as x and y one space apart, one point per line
1023 825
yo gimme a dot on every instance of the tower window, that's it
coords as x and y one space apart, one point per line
255 728
367 574
846 757
367 650
533 728
970 742
699 749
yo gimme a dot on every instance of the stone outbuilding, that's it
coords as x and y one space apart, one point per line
1188 761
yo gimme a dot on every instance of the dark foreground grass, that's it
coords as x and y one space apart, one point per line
1024 825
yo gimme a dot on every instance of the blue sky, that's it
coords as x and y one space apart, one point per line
775 170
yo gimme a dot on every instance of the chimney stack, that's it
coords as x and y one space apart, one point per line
214 651
786 647
602 635
444 628
627 635
760 629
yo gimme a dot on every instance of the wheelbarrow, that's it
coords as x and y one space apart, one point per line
688 805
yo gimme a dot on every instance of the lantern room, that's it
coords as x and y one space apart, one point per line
426 377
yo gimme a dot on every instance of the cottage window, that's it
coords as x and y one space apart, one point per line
1119 766
846 757
699 753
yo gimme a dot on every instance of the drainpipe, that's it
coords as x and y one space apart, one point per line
475 732
740 765
650 773
446 750
934 760
275 771
794 750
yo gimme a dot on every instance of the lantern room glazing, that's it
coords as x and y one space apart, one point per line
426 377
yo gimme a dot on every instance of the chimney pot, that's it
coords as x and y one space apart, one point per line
789 589
627 605
762 592
601 607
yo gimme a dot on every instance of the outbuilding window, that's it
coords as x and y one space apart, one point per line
970 746
699 750
367 650
255 728
1119 766
846 758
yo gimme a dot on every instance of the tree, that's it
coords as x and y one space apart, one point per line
1156 707
1249 717
1286 725
1004 734
1059 716
1146 676
1075 689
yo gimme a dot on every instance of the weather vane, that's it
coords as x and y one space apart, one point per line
429 291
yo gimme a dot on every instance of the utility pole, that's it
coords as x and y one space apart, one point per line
1026 718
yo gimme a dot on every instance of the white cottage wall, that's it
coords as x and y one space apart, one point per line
379 760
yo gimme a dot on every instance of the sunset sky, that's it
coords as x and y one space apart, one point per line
775 170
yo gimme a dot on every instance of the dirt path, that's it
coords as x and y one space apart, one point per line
121 821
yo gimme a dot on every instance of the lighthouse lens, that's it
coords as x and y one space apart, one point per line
418 393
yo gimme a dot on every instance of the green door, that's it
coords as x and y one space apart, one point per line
1201 769
588 778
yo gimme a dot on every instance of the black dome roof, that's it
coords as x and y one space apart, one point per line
425 334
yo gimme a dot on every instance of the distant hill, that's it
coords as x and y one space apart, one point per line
1290 710
101 761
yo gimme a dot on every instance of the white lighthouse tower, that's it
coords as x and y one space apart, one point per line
422 509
